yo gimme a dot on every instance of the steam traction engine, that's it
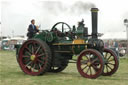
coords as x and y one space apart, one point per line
50 51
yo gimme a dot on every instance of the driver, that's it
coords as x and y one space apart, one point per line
32 29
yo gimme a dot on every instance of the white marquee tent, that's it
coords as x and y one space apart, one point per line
114 35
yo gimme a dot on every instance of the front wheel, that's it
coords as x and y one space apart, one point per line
90 63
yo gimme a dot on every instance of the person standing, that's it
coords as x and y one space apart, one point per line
32 29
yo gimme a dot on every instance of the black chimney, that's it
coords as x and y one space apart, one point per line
94 12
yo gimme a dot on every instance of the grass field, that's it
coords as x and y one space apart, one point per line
10 74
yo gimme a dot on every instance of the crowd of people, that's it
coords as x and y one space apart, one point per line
117 46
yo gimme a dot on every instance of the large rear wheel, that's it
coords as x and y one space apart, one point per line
90 63
34 57
111 62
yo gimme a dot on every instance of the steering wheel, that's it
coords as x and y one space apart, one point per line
62 28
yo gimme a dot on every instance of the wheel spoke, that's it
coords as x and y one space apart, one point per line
106 68
34 46
95 68
34 67
40 61
29 53
40 66
38 50
28 50
90 71
94 60
105 55
44 58
84 67
89 56
28 63
109 57
40 55
87 70
31 64
26 60
83 62
32 49
110 63
109 67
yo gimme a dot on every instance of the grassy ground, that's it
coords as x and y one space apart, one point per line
10 74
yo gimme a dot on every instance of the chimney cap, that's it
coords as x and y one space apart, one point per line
94 9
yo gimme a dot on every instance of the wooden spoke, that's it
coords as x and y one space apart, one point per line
34 67
88 70
40 61
84 67
34 46
32 49
95 68
94 60
106 68
109 57
105 55
44 58
89 56
28 50
38 50
40 55
84 62
110 63
109 67
40 66
31 64
28 63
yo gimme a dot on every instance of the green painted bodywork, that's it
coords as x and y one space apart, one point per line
61 45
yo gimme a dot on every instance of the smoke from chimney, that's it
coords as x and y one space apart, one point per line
80 7
57 7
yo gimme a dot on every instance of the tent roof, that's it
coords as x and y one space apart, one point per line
114 35
17 38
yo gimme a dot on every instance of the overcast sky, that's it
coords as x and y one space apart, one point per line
16 15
